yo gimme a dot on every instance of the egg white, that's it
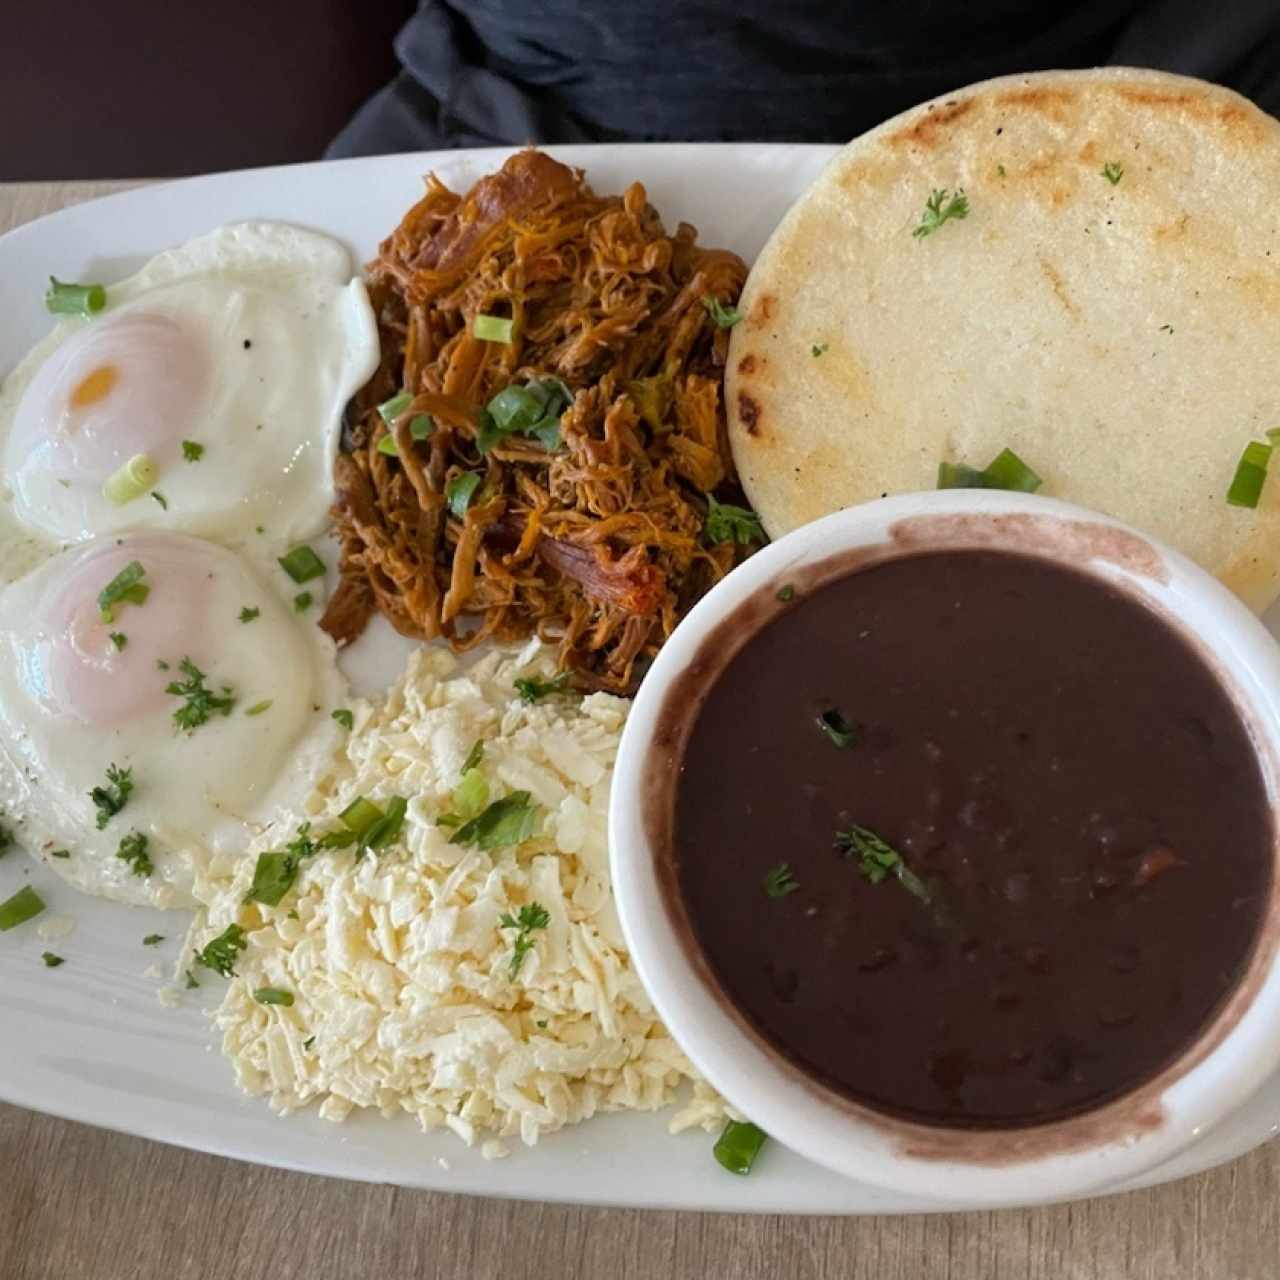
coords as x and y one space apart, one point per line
72 702
248 341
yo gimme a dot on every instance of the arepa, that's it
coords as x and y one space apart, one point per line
1108 306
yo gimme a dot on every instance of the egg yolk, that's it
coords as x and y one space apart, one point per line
95 386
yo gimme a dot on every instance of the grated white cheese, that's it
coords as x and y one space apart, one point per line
403 997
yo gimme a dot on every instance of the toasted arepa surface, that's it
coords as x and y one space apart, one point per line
1109 308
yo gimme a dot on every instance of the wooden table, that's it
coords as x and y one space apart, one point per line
85 1204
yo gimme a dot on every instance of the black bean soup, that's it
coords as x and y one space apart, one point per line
974 838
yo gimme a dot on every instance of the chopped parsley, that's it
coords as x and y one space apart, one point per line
309 1043
153 940
302 601
876 859
133 850
275 872
51 961
59 853
192 984
837 728
725 317
532 690
786 593
778 881
508 821
1113 172
727 523
199 703
344 718
273 995
118 638
999 171
382 832
249 613
192 451
6 839
525 921
127 587
259 707
819 349
220 954
160 498
939 208
109 800
474 757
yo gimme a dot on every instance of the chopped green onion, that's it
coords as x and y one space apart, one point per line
421 425
51 961
515 407
390 410
344 718
63 299
1006 471
259 707
738 1146
25 905
385 829
302 564
1250 476
508 821
126 587
1274 436
837 728
360 815
192 451
956 475
493 328
303 601
533 410
725 317
459 492
130 481
273 995
470 796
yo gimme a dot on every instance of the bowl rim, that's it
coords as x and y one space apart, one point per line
1224 1065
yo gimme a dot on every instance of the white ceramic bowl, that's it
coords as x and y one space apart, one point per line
1086 1153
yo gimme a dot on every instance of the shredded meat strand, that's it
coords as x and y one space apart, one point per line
598 544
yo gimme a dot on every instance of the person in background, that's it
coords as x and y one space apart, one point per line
510 72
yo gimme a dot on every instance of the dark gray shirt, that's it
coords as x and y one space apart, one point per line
488 72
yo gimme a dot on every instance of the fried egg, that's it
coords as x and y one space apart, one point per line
225 363
205 685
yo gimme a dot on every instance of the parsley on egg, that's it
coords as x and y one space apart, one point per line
133 850
109 800
199 702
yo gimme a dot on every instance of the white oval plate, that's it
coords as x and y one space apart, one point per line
89 1041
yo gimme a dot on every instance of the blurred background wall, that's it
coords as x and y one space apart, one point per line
157 88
